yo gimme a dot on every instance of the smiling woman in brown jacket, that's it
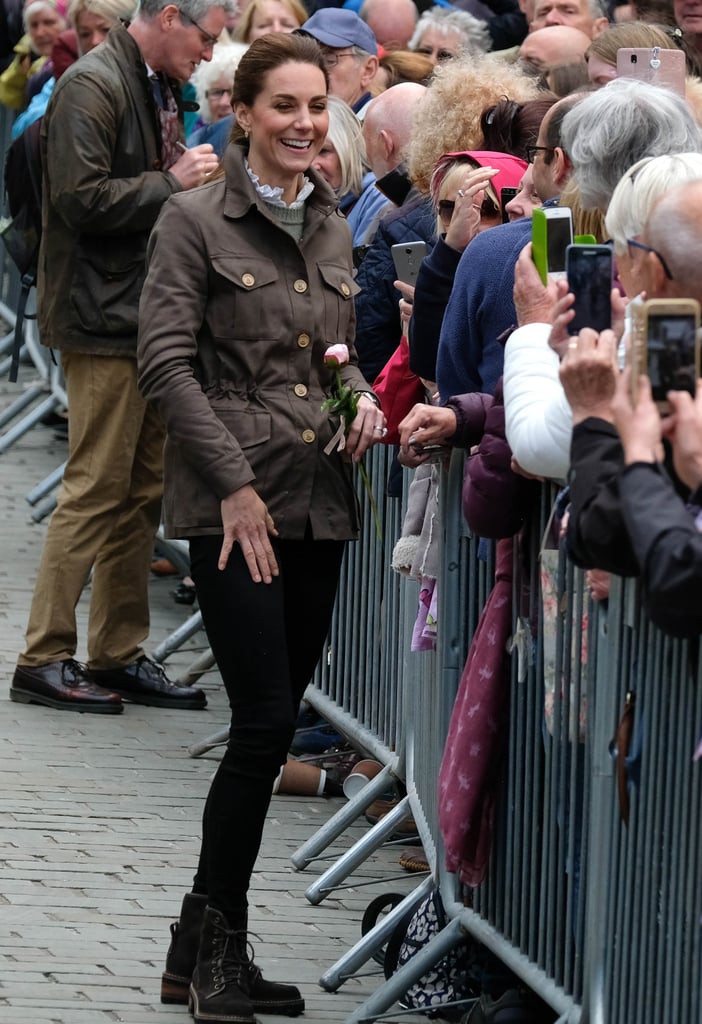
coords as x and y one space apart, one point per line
249 282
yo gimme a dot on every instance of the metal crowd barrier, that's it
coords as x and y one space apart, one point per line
601 920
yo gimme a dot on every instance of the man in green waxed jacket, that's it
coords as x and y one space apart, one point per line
112 148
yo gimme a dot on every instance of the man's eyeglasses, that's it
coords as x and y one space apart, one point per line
332 57
207 38
531 152
632 243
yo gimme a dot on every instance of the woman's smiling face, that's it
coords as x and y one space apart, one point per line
287 123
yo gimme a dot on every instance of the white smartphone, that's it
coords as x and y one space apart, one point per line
407 257
551 234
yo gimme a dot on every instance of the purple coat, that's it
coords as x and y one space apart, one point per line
495 499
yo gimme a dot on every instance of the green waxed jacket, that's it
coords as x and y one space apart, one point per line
235 319
103 190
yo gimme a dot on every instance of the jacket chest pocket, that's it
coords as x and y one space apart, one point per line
245 302
339 290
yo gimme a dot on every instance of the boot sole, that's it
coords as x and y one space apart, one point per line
160 702
177 993
217 1018
26 697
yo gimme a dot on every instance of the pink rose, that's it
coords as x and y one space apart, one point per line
336 355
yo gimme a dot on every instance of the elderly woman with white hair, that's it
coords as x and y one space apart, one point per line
43 21
213 81
538 416
443 33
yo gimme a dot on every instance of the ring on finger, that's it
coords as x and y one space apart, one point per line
460 193
573 344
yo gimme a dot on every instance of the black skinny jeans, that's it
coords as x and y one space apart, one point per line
267 640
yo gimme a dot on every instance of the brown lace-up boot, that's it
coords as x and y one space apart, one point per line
266 996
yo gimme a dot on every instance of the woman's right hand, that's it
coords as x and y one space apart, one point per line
247 521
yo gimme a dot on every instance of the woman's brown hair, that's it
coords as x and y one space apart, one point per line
266 54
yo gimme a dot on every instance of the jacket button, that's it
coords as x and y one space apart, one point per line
248 280
157 165
308 436
303 340
345 289
300 390
300 286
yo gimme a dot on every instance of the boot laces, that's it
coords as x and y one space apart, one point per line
230 957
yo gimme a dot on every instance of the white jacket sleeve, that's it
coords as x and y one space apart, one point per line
538 419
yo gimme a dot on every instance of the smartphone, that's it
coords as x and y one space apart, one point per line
666 346
589 273
507 194
665 68
407 257
551 234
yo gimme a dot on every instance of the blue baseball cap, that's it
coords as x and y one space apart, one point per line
337 27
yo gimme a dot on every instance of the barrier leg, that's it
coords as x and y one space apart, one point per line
26 424
21 402
189 628
348 965
200 748
46 485
345 816
360 851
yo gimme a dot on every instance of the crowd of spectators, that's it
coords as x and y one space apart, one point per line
432 112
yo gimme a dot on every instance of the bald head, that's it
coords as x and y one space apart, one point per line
557 44
393 21
674 229
387 126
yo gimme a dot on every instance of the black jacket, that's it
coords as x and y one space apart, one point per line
631 521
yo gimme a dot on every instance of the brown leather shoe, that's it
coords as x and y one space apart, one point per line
65 685
145 682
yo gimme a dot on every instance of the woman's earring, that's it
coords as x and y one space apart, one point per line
246 134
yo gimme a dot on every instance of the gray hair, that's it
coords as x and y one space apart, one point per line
195 9
640 189
673 230
346 136
225 60
618 125
475 37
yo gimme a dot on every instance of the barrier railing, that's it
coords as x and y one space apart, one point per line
602 921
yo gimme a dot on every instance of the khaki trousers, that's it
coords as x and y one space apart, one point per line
108 511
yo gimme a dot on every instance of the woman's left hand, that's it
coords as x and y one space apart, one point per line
368 428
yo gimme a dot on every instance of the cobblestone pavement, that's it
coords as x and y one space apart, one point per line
99 828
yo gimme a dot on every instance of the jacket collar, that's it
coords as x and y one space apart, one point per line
241 194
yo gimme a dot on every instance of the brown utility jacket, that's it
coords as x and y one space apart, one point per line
235 319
